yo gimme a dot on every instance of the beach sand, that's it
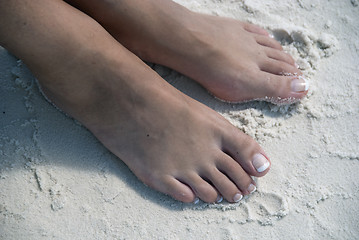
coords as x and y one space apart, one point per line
58 182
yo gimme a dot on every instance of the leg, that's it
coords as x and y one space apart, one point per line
235 61
171 142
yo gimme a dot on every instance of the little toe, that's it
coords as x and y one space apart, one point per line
202 189
268 42
255 29
177 190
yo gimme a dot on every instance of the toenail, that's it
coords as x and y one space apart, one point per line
300 84
252 188
260 162
219 199
238 197
196 201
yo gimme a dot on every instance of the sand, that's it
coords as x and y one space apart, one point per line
58 182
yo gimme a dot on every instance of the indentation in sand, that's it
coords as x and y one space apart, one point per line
261 207
306 48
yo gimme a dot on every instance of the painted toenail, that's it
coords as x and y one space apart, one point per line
260 162
251 188
238 197
300 84
196 201
219 199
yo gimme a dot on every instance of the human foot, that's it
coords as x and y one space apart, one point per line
235 61
171 142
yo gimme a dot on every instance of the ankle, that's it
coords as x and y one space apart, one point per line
144 27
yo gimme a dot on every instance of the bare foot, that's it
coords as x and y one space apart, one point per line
171 142
235 61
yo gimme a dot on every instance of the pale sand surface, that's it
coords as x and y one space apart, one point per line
58 182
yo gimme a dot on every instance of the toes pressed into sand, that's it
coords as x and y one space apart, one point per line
235 61
278 87
228 176
229 181
272 76
282 78
260 71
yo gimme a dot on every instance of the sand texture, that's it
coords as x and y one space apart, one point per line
58 182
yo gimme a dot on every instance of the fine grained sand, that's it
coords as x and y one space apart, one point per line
58 182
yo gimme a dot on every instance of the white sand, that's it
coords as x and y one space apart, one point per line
58 182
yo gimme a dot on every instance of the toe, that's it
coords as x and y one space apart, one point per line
275 81
233 173
201 188
283 87
268 42
177 190
279 55
247 153
255 29
225 186
278 67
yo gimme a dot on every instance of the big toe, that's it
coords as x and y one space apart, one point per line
283 89
278 78
247 153
275 81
